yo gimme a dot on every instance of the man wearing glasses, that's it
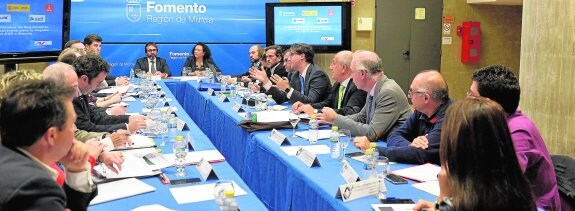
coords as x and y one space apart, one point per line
385 109
417 140
151 63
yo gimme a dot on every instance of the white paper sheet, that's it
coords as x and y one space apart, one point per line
118 104
273 116
145 110
152 207
198 193
394 207
279 107
321 134
421 173
128 99
132 167
120 189
315 149
189 78
120 89
195 156
167 100
431 187
139 141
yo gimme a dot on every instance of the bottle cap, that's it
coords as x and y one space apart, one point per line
372 145
313 116
254 117
164 111
179 138
369 151
334 128
229 193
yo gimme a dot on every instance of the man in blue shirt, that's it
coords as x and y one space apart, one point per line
417 140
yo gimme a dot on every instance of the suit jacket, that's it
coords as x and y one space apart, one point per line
280 70
389 109
90 119
191 62
161 65
27 186
110 80
316 87
352 102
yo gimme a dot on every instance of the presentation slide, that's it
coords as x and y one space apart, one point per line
31 26
231 58
314 25
230 21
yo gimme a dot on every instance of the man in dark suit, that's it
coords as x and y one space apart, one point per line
151 63
344 97
386 107
308 82
93 42
256 52
91 71
37 129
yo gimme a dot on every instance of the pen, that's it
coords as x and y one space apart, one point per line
164 178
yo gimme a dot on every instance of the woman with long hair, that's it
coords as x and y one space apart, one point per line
479 168
200 60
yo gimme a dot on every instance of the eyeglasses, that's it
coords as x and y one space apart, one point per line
152 50
410 93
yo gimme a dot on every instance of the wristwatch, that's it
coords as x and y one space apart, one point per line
287 89
445 204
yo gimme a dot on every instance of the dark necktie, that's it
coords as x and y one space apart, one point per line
302 81
369 111
153 68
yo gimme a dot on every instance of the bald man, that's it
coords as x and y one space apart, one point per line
417 140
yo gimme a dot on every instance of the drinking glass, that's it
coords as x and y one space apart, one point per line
138 72
180 151
162 130
293 120
381 169
344 141
220 188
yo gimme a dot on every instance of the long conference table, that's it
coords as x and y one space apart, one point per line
272 179
280 181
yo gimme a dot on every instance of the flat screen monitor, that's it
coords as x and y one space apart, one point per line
33 31
326 26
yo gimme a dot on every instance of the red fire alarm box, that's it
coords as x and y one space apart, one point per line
470 34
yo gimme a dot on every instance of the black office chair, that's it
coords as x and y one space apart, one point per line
565 173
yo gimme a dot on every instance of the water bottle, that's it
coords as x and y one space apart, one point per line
264 102
373 147
269 105
172 125
312 133
229 201
165 116
334 142
368 164
132 74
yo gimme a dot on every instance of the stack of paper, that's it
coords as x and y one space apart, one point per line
198 193
132 167
212 156
315 149
120 189
421 173
273 116
139 141
321 134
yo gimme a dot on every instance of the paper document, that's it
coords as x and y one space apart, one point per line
174 109
154 159
167 100
139 141
273 116
279 107
118 104
132 167
194 157
120 189
152 207
393 207
421 173
120 89
198 193
128 99
431 187
315 149
189 78
321 134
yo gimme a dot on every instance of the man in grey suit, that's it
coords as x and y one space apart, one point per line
344 96
37 129
151 63
386 107
308 82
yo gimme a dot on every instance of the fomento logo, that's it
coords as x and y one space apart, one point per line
37 18
133 10
43 43
179 55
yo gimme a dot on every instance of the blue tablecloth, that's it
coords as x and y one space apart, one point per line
162 194
281 182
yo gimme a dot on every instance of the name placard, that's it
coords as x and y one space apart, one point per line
358 190
307 157
279 138
237 107
206 170
223 98
211 92
190 141
348 174
180 124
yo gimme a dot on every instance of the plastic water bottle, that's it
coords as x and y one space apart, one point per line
368 164
373 147
229 202
334 142
132 74
312 133
172 125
